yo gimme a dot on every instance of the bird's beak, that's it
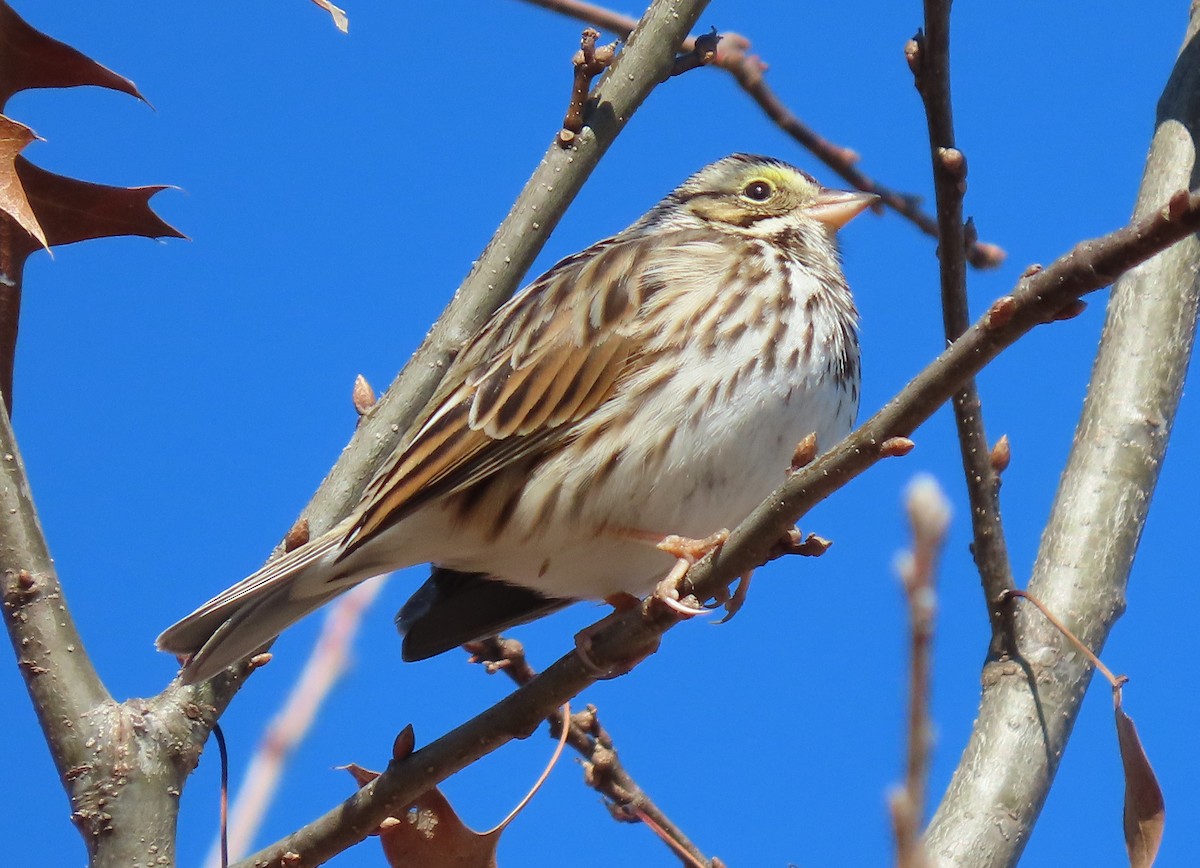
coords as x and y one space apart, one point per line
836 208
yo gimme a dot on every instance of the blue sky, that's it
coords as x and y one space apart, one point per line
177 403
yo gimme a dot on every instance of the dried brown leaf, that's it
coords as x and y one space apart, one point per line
430 834
31 59
71 210
1145 810
13 200
340 21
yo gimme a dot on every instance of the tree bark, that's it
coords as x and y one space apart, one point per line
1030 702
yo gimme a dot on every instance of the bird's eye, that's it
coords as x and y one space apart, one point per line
758 191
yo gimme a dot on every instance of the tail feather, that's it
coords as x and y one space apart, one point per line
244 618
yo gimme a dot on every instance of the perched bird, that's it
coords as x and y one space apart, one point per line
654 384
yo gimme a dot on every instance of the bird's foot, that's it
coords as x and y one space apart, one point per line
686 552
734 597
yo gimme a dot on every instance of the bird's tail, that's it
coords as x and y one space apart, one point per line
242 619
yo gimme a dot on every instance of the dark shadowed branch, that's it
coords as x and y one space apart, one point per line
929 58
1030 703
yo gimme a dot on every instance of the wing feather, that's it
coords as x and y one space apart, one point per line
546 359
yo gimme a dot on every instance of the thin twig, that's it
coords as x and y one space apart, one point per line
929 58
588 62
747 70
929 516
621 637
603 770
1115 680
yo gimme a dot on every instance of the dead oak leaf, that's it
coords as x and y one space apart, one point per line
31 59
14 202
69 210
430 833
340 21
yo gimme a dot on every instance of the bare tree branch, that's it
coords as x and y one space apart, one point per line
125 819
1029 704
603 769
747 70
626 635
63 684
929 58
929 516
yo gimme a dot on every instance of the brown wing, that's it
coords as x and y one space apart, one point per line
546 359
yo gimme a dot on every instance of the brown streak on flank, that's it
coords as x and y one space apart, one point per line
546 509
757 305
809 339
471 498
731 303
732 384
733 333
783 301
658 452
770 350
607 468
591 437
507 509
655 384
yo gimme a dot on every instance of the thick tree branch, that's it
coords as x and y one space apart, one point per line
61 680
125 818
624 636
747 70
929 57
1029 705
